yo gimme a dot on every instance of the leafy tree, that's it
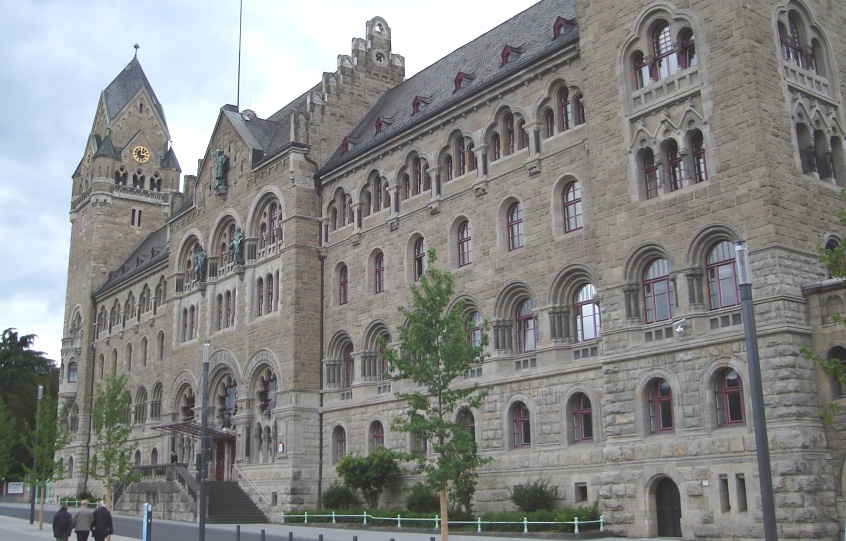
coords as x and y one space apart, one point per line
435 351
43 442
534 496
22 370
112 453
370 474
7 442
833 259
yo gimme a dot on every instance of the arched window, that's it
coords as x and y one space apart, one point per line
366 204
419 259
515 226
156 403
582 418
269 302
339 437
465 244
129 357
72 372
565 111
676 163
521 426
700 168
418 176
688 50
660 407
461 157
579 116
73 423
160 344
220 308
728 395
192 326
260 296
527 330
834 355
473 326
666 61
343 284
791 46
144 351
347 365
573 207
465 418
510 136
379 273
495 147
650 174
377 435
549 123
659 293
448 167
228 310
587 313
523 135
722 282
377 195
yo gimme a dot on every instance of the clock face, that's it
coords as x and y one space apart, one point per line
141 154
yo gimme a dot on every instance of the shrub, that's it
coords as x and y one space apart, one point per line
534 496
422 499
338 496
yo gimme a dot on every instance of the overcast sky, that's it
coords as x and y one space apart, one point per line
57 56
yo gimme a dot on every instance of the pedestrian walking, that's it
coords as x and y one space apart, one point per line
102 526
82 521
62 523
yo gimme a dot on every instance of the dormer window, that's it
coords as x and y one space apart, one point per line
462 80
419 104
561 24
346 145
379 124
509 54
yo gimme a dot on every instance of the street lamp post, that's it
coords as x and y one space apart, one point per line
202 468
35 458
765 475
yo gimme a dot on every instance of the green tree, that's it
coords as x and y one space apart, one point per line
7 442
370 474
112 452
833 259
435 351
43 442
22 370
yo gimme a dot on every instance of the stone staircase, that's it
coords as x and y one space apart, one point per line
229 504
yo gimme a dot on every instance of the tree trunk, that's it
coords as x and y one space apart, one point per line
41 508
444 515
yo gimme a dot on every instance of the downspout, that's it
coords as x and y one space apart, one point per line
91 400
317 189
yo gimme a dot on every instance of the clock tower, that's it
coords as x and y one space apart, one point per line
124 189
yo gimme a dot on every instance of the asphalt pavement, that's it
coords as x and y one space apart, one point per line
15 526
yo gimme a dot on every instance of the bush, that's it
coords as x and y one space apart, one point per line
338 496
534 496
422 499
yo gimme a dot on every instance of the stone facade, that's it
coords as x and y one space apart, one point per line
585 158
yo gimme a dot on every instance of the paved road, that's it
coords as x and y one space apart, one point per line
14 525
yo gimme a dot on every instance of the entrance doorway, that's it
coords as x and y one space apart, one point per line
220 461
668 506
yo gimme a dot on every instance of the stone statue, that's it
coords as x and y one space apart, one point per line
200 264
221 165
237 248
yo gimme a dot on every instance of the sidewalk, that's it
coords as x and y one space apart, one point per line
21 530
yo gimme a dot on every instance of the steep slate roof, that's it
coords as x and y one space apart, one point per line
125 86
169 161
530 32
151 251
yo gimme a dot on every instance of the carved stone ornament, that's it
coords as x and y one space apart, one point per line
393 224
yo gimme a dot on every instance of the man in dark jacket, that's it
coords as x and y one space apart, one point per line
62 523
102 526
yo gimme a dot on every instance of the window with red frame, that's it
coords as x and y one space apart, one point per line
473 326
582 418
515 226
521 425
666 60
659 292
565 111
791 45
219 323
465 244
722 281
579 116
379 273
643 71
379 124
660 407
527 329
549 123
573 207
676 163
260 295
419 259
192 328
461 157
688 50
418 176
587 313
377 197
510 139
340 443
406 187
269 306
465 418
471 158
728 395
495 147
343 284
273 219
650 174
229 310
523 135
347 365
508 55
559 26
377 435
700 168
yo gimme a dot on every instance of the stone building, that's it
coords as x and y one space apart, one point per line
584 169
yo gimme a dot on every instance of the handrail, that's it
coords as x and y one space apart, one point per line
242 475
436 520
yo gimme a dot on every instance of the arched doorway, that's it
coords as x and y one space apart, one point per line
668 508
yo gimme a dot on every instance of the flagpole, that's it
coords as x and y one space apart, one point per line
240 27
